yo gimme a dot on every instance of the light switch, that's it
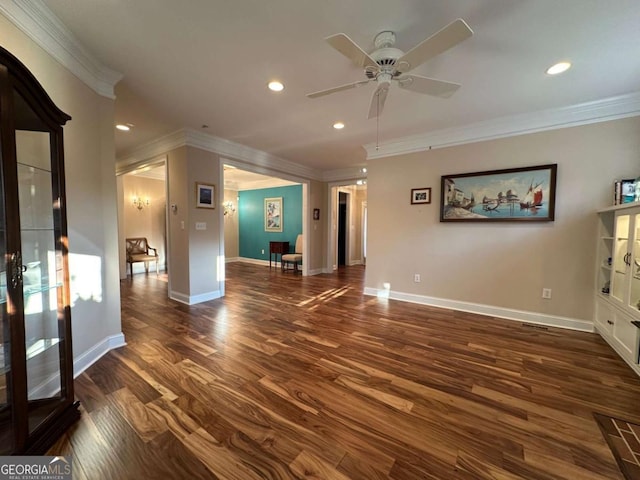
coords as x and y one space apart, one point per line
201 226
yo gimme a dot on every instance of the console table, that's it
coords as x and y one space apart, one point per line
276 248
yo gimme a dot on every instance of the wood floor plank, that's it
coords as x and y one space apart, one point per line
217 457
145 421
308 466
394 401
291 377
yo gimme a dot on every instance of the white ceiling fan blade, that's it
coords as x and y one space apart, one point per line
428 86
351 50
329 91
443 40
377 100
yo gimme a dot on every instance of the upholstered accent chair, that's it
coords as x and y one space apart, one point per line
138 250
295 258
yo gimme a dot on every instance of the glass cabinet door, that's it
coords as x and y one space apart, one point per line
621 250
6 424
39 276
42 270
634 264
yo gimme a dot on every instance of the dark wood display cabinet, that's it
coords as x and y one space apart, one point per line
36 386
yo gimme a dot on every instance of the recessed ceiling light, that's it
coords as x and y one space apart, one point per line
363 169
338 125
276 86
558 68
123 127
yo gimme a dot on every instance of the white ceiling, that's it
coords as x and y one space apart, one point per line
198 62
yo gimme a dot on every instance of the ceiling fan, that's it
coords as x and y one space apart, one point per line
386 63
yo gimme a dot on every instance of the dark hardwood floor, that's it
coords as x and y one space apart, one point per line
306 378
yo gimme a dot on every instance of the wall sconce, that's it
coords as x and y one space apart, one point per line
139 203
229 208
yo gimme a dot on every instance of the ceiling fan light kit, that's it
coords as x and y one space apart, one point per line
387 63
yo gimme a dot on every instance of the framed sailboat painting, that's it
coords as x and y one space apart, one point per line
516 194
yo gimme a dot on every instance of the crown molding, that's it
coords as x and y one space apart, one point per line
344 174
248 155
39 23
270 182
220 146
152 149
613 108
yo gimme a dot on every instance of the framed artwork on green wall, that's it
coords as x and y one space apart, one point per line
273 214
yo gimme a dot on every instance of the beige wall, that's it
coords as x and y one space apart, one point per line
317 255
194 255
178 189
504 265
150 220
360 198
231 238
91 194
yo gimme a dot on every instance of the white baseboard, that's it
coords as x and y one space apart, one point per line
48 388
506 313
315 271
256 261
232 259
193 299
91 356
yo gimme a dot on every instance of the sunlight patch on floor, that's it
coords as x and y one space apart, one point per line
325 296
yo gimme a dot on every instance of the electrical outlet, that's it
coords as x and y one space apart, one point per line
263 251
416 278
546 293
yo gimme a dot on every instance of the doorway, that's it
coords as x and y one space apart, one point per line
343 198
142 211
347 229
246 238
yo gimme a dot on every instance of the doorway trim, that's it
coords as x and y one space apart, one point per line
349 187
271 173
158 161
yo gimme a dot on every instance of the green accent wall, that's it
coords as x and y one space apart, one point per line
252 237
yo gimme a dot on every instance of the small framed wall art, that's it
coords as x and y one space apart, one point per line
420 195
273 214
205 195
